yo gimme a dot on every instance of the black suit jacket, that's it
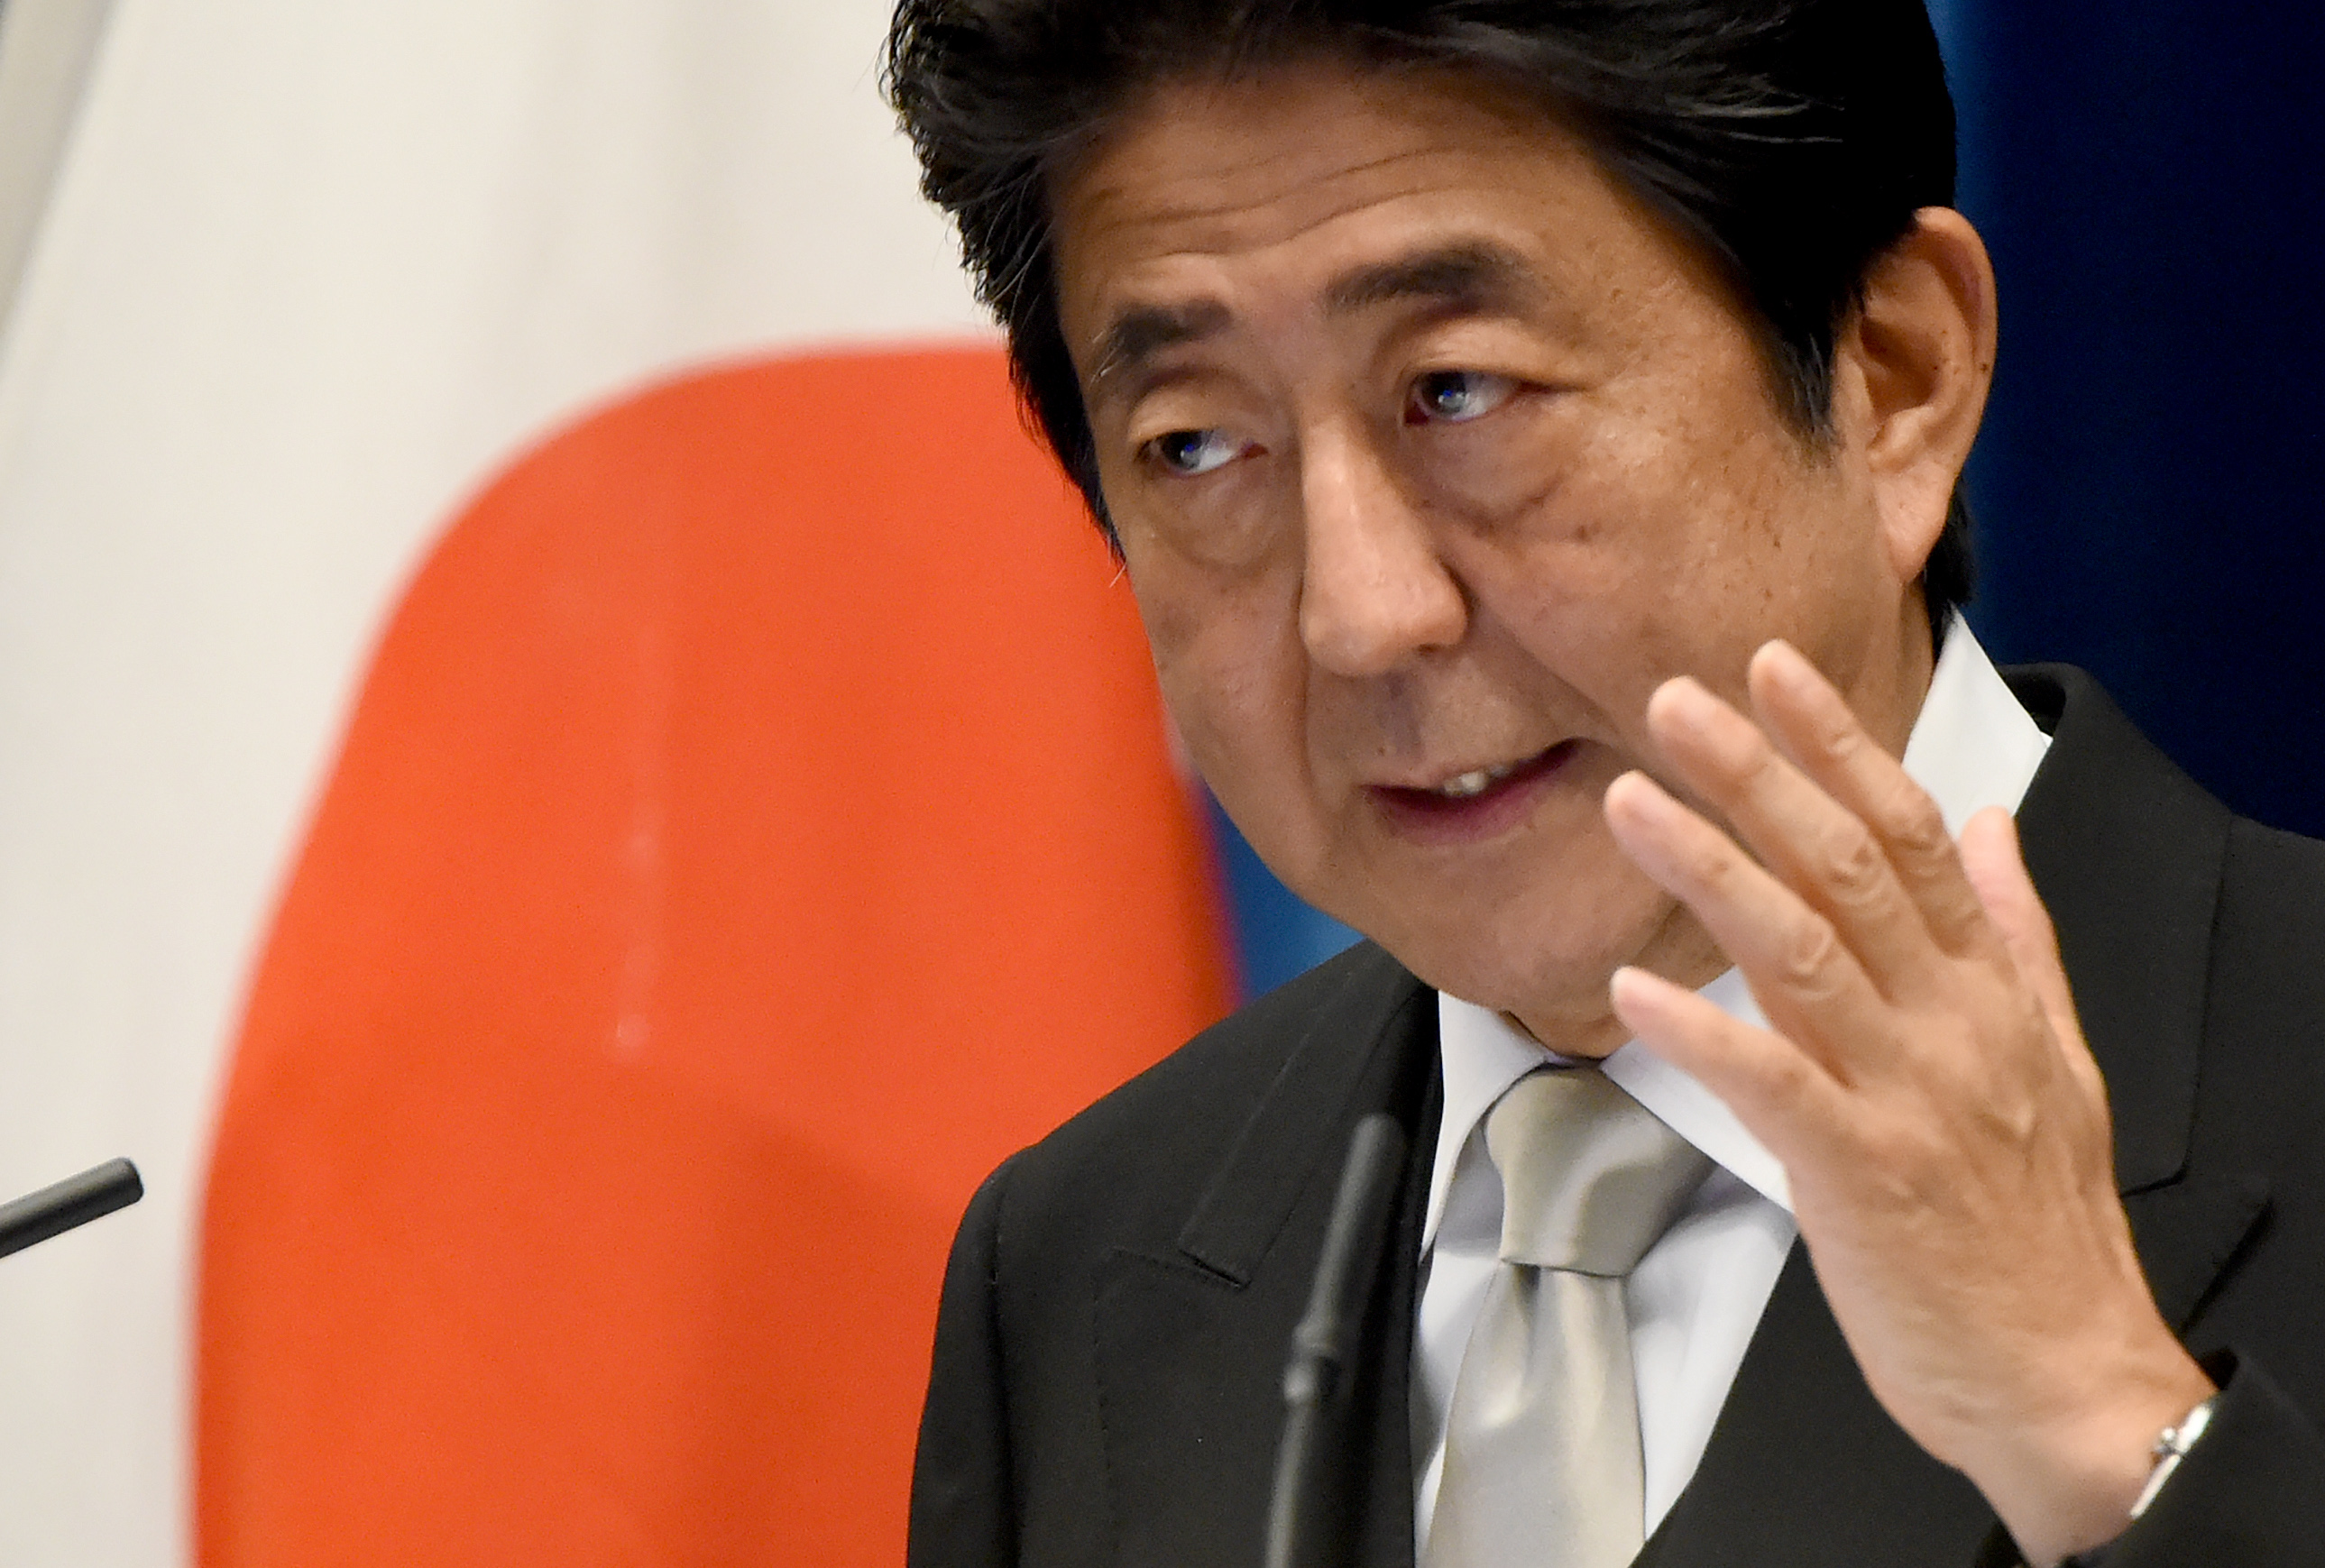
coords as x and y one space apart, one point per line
1107 1369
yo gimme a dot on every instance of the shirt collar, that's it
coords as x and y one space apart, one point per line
1972 747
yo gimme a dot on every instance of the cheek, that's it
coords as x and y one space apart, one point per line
1226 655
1171 620
1651 565
1732 529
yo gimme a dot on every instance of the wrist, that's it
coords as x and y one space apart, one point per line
2075 1486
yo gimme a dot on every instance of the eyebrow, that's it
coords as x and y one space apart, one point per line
1471 276
1474 275
1143 331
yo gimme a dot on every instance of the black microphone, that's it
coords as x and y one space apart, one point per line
72 1202
1324 1345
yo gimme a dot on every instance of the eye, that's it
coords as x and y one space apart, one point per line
1193 452
1451 396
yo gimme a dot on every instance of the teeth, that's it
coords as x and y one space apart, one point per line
1469 786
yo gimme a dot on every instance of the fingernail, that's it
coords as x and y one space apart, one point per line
1791 666
1640 797
1686 703
1632 991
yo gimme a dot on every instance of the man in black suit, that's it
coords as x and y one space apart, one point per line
1533 433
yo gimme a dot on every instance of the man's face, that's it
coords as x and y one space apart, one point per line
1432 453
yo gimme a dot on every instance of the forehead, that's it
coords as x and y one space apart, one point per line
1302 178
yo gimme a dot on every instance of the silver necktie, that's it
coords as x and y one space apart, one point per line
1542 1466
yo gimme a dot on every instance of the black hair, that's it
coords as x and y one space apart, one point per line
1791 141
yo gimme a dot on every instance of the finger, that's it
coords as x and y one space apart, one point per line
1992 864
1816 727
1996 869
1811 841
1779 1092
1810 984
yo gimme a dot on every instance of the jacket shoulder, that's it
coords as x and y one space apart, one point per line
2265 1006
1164 1132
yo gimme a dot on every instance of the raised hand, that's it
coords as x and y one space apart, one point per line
1926 1084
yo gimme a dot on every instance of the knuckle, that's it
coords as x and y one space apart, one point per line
1841 737
1791 1077
1785 1073
1705 859
1852 864
1805 958
1915 821
2012 1118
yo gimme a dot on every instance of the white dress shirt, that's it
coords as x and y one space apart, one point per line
1695 1300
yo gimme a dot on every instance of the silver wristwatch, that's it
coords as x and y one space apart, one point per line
2171 1448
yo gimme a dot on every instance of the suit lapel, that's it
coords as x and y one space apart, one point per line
1192 1338
1805 1469
2128 853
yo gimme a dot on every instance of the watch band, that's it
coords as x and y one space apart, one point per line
2171 1448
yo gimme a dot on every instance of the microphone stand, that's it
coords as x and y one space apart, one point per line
1324 1345
72 1202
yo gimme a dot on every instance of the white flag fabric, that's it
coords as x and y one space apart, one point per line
314 276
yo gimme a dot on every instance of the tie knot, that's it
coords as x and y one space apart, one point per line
1590 1178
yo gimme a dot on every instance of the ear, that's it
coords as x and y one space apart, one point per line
1912 373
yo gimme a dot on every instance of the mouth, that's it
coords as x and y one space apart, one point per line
1474 804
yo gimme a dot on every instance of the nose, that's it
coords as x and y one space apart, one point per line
1374 590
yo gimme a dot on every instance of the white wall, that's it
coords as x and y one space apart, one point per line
313 270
